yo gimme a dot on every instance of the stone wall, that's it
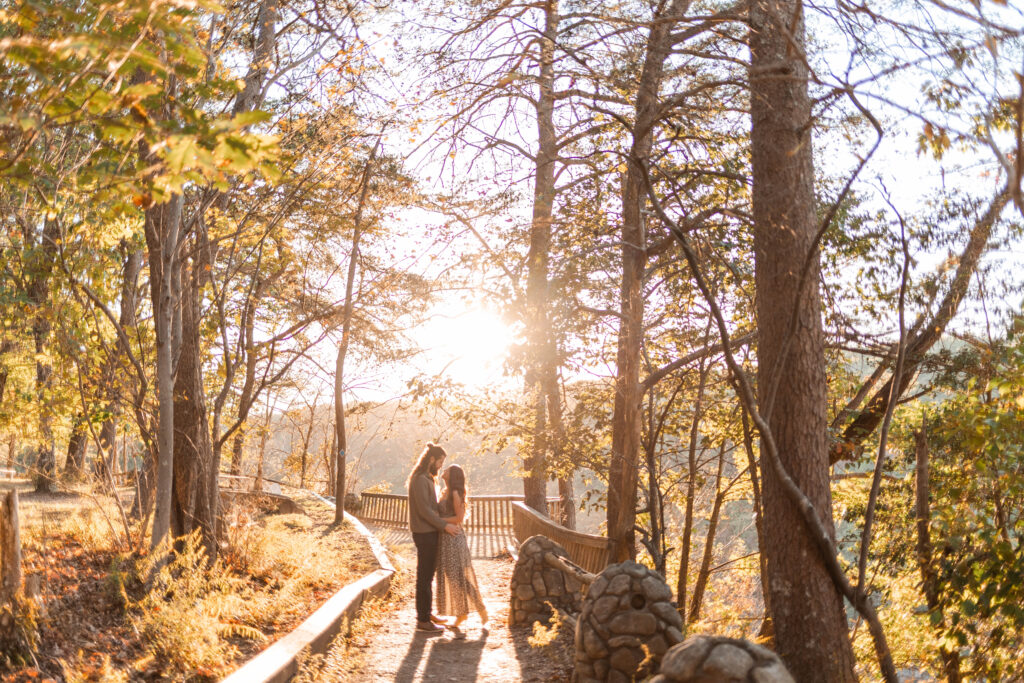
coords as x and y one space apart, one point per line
627 624
715 659
627 627
535 584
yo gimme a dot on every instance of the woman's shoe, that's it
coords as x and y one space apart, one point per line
458 634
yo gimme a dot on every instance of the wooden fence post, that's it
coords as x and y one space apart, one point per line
10 547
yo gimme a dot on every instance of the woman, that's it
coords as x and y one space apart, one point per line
457 589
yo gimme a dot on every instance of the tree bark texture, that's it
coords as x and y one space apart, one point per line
340 486
810 623
162 227
922 516
540 342
74 464
10 547
627 427
195 471
38 296
111 376
704 572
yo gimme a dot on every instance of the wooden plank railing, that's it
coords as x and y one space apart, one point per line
488 514
8 473
586 550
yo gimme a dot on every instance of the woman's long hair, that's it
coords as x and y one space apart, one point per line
456 482
429 453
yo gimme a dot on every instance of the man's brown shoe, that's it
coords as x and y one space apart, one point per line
428 627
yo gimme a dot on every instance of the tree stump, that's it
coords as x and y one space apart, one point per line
10 548
19 631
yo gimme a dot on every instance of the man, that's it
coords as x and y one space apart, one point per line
425 523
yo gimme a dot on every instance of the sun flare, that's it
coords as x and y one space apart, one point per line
469 347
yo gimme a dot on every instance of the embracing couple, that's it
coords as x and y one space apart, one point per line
441 546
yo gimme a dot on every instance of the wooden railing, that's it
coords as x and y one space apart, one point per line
8 473
488 514
586 550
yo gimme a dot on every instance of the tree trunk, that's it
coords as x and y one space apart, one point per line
332 480
766 632
10 547
627 425
810 622
111 375
682 584
163 225
257 482
346 330
74 465
922 515
195 471
704 573
38 296
540 343
245 398
237 444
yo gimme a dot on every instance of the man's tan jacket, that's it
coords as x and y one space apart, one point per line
423 511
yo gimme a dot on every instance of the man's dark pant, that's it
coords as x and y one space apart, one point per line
426 563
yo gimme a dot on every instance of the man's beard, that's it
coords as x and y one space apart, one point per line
433 470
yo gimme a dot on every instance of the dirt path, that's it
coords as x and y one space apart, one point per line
385 646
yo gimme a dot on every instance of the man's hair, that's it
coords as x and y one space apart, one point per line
423 462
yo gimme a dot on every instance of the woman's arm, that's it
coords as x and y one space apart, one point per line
460 508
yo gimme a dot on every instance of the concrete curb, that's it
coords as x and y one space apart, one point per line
280 661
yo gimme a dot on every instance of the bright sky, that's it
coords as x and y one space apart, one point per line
467 345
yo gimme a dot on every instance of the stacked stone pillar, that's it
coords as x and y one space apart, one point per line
627 625
536 587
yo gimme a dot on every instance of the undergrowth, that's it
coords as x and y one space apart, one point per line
198 619
191 612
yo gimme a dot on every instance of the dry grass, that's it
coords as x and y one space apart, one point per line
97 623
347 655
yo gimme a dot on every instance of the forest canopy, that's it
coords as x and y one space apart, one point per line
744 278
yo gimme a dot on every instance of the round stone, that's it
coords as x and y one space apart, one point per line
655 589
624 660
618 585
657 645
638 623
623 641
636 570
772 673
593 645
597 588
674 635
680 662
604 607
667 612
524 591
727 662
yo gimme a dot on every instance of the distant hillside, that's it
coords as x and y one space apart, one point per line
383 446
